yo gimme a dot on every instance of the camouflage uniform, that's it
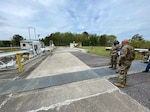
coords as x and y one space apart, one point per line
125 62
114 56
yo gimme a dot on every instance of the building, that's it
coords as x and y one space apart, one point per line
34 46
25 44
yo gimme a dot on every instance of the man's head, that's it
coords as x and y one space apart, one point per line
125 42
116 42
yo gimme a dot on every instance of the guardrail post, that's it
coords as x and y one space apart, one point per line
19 62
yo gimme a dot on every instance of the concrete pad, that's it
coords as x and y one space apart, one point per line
97 95
68 49
58 63
38 99
107 102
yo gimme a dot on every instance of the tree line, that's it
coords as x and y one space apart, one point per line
64 39
15 41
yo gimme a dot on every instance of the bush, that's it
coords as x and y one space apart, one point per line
140 44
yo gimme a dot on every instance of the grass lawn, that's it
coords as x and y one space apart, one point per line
7 50
97 50
100 50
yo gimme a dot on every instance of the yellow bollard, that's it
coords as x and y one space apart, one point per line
19 62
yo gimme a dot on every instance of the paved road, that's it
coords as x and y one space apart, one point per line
92 60
86 91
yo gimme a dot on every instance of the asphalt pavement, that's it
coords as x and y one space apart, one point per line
92 60
138 87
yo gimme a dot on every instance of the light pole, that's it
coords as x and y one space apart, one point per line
29 32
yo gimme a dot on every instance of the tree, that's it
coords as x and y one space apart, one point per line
1 43
16 40
85 34
140 44
137 37
110 39
103 40
93 40
68 37
5 43
63 39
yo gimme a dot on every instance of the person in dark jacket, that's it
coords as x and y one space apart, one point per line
148 65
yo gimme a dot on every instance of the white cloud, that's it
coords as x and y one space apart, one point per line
122 18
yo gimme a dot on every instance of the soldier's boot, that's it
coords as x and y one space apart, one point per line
118 84
117 71
125 84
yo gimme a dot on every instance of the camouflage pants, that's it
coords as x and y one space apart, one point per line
114 61
123 72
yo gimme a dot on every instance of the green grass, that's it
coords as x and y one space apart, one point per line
8 50
99 50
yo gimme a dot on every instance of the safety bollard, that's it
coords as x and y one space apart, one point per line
19 62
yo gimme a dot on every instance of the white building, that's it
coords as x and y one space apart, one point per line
34 46
25 44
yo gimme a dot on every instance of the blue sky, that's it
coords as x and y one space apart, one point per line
123 18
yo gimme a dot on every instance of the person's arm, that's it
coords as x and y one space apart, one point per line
123 54
147 54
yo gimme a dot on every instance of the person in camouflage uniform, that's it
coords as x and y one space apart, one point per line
148 65
114 55
124 61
